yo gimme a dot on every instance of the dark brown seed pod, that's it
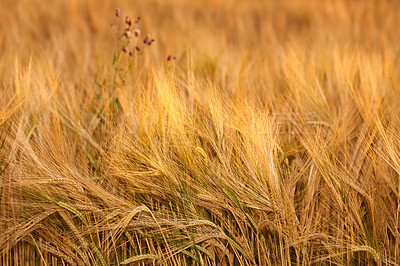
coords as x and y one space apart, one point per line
128 21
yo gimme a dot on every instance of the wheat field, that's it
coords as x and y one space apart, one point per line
249 132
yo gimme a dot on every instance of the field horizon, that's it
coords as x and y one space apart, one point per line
200 132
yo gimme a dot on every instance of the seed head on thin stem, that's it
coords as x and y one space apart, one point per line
128 21
170 57
127 34
146 39
136 32
150 42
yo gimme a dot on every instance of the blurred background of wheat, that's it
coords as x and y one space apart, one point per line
272 139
